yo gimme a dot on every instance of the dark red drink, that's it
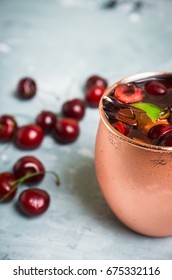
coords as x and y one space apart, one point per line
142 109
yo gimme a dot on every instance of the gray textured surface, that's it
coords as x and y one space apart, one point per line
60 44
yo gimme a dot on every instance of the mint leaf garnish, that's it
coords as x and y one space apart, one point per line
153 111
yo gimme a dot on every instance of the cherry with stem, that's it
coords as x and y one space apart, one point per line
16 183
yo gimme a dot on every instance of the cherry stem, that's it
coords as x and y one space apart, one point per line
28 176
8 194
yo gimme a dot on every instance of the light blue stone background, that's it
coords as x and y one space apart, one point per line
60 44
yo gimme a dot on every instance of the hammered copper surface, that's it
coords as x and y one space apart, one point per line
135 178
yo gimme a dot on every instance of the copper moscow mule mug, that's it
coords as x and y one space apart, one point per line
135 178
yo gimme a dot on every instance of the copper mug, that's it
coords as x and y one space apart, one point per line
135 178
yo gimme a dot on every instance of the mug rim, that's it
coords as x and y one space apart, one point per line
124 138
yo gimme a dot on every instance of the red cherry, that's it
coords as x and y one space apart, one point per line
74 108
166 139
26 88
155 88
7 186
33 202
66 130
8 127
128 93
29 165
121 127
46 120
159 130
93 96
29 136
96 80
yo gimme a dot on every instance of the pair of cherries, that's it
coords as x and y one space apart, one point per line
30 171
